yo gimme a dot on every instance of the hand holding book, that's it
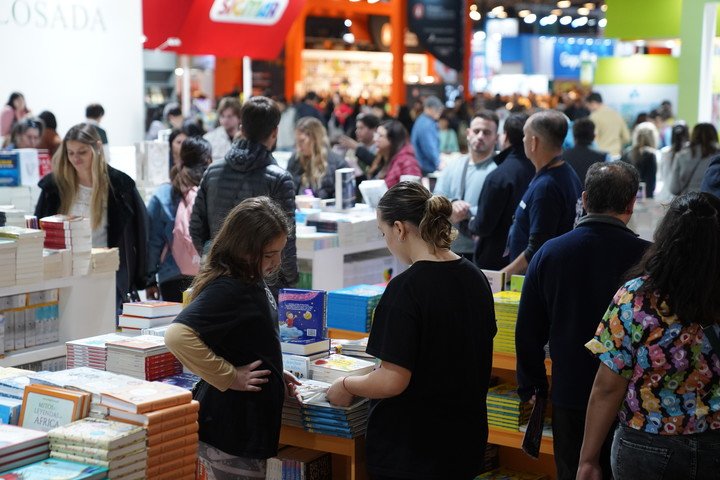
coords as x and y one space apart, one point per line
338 394
247 379
291 384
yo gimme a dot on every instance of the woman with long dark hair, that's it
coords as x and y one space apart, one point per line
660 355
195 156
228 335
395 155
690 164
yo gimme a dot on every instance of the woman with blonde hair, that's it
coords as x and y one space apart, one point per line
313 164
642 154
83 184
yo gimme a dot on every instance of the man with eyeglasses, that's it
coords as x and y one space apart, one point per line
463 180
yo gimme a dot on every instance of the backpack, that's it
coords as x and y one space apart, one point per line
182 248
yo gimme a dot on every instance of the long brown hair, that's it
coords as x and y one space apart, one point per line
397 135
195 156
66 177
315 165
237 250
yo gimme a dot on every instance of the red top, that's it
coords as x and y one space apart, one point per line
403 163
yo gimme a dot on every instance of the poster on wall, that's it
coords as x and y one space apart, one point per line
438 25
630 100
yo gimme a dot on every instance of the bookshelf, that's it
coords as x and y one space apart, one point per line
348 454
511 454
87 308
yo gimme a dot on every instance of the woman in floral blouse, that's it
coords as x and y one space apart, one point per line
658 364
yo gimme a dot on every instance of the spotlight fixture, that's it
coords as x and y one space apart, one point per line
523 13
602 23
566 20
564 4
475 16
530 18
583 11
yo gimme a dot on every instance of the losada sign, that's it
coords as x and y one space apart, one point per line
63 15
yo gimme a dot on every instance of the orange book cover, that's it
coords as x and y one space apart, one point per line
173 468
155 428
182 431
147 397
45 407
163 458
180 442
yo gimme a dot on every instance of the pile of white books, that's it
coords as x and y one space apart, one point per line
105 260
21 446
142 356
57 263
336 365
28 255
7 262
90 352
13 216
73 232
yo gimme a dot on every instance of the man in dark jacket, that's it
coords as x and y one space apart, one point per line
582 155
500 195
711 180
568 286
248 170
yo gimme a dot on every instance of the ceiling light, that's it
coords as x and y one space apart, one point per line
473 7
479 35
523 13
348 38
564 3
583 11
179 72
502 15
602 23
556 11
348 23
549 20
497 10
589 6
475 15
579 22
530 18
566 20
604 7
592 22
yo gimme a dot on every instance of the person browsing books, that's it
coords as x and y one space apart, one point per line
195 156
433 331
565 292
228 335
659 352
83 184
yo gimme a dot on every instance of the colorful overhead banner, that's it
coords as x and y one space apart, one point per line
225 28
571 54
438 25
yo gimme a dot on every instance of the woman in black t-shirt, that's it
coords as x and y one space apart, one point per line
433 331
228 335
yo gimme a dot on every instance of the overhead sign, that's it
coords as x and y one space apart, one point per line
571 54
438 25
249 12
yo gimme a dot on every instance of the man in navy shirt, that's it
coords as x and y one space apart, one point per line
569 284
551 203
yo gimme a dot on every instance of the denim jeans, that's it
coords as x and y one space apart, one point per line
647 456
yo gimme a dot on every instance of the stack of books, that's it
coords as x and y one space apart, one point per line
117 446
296 462
21 446
13 382
104 260
90 352
7 262
29 266
143 356
351 348
73 232
316 414
10 410
505 409
53 468
507 474
169 415
88 380
184 380
506 311
14 217
310 240
149 314
57 263
352 308
336 365
303 327
157 331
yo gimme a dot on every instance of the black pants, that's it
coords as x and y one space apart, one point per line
568 426
171 290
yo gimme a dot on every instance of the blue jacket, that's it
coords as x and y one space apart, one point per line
569 284
425 139
711 180
161 210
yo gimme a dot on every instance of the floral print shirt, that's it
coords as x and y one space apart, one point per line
674 377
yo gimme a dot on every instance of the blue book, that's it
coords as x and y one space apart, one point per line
301 314
9 169
10 410
184 380
56 468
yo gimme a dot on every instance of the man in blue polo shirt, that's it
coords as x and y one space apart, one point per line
551 203
569 284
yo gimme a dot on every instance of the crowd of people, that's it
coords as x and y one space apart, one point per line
541 192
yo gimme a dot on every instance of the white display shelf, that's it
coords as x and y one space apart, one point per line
86 308
328 264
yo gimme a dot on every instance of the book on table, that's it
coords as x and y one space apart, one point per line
152 308
45 407
97 433
305 346
336 365
52 468
133 321
148 397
